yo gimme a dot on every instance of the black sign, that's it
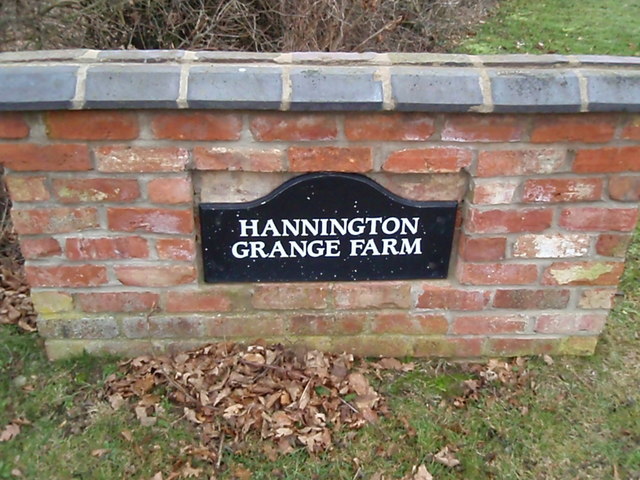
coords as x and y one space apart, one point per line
326 226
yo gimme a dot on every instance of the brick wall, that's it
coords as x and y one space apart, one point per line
105 202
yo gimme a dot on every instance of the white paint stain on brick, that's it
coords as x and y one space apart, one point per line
551 246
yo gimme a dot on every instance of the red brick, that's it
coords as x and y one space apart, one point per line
482 249
447 298
153 220
613 245
121 158
571 323
625 189
156 276
497 274
512 347
26 157
509 221
39 247
170 190
232 159
242 326
583 273
428 160
106 248
526 299
488 324
66 276
597 298
562 190
288 297
500 163
631 130
12 125
92 125
449 347
608 160
336 159
482 128
409 324
599 219
54 220
389 126
494 192
328 324
176 249
27 189
591 128
196 125
553 245
213 299
117 302
275 126
78 190
372 295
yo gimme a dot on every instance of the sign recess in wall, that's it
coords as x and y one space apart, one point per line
324 227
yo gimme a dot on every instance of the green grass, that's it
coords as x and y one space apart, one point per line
559 26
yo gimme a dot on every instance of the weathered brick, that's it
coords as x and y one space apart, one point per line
482 249
599 219
500 163
176 327
66 276
336 159
583 273
438 187
69 326
516 347
373 345
562 190
625 189
154 220
92 125
95 190
509 221
448 298
106 248
497 274
597 298
26 157
405 323
372 295
274 126
568 323
494 192
54 220
488 324
233 159
183 249
27 189
289 297
211 299
59 349
613 245
170 190
151 276
580 345
389 126
120 158
631 130
607 160
195 125
527 299
245 326
553 245
39 247
428 160
592 128
13 126
47 302
125 302
448 347
327 324
483 128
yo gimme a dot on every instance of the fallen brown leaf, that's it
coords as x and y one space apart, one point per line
9 432
446 458
99 452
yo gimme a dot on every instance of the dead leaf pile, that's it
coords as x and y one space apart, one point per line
16 307
293 398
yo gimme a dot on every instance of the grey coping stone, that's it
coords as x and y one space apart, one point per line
608 60
31 87
140 56
42 56
617 90
523 91
524 60
445 59
330 58
445 89
132 86
235 57
226 86
335 89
